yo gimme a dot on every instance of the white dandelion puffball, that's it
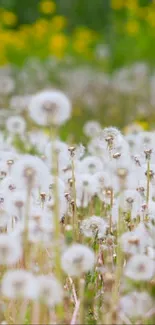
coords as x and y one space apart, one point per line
49 290
19 284
91 165
136 304
77 259
19 103
61 150
92 129
4 218
7 85
30 169
93 227
86 186
140 268
10 250
50 107
15 125
136 241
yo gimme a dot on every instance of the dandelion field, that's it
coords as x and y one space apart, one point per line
77 163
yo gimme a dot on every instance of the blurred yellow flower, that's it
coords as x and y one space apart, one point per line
134 127
141 12
47 7
82 39
131 4
143 124
25 29
3 59
58 44
84 33
81 46
40 27
117 4
150 17
18 41
58 22
8 18
132 27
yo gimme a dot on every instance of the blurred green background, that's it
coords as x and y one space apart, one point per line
100 52
95 14
127 26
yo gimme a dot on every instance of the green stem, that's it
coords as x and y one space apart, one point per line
119 266
75 219
56 205
26 227
148 182
111 206
81 298
56 218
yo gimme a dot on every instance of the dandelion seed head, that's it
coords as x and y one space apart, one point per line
136 304
93 227
30 171
10 250
77 259
60 150
92 129
86 187
140 268
7 85
19 103
50 107
91 165
15 125
50 290
19 284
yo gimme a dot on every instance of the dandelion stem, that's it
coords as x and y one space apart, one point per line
35 313
119 254
75 219
111 206
57 229
26 220
148 182
73 290
119 265
56 205
81 299
58 271
73 320
22 313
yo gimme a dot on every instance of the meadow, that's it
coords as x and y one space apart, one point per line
77 162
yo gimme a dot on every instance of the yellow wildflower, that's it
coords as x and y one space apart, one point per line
8 18
134 127
82 39
141 12
58 23
143 124
58 44
131 4
3 58
47 7
40 28
132 27
117 4
80 45
150 17
84 33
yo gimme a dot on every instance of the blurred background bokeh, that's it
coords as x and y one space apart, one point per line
100 52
